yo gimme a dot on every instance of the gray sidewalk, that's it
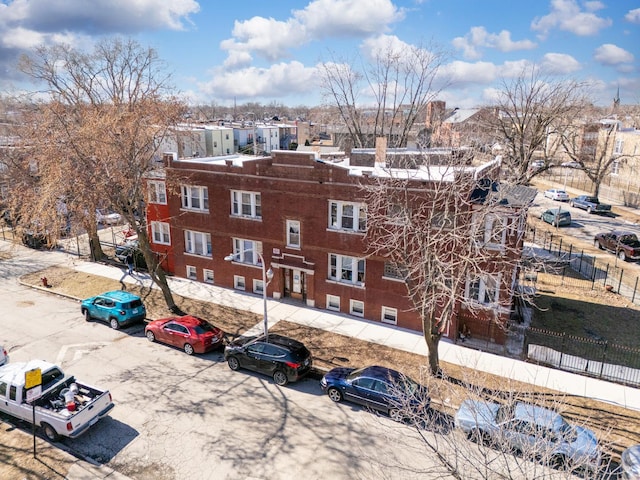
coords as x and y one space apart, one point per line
407 340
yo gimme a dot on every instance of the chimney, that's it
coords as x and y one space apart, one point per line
381 152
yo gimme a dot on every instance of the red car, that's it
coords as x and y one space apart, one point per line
192 334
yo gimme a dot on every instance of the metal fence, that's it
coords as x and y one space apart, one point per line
572 267
599 359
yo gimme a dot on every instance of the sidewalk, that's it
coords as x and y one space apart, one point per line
394 337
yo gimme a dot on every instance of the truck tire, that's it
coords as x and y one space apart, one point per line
622 256
598 244
49 432
589 210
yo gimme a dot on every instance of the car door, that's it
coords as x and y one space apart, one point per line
252 355
359 390
379 397
175 334
271 358
102 308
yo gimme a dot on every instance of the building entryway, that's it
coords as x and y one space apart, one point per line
295 284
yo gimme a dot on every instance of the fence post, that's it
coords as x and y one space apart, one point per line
635 287
604 357
620 281
564 269
564 336
560 248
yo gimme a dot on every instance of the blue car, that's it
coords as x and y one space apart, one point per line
118 308
378 388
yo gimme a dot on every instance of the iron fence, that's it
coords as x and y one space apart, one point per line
596 358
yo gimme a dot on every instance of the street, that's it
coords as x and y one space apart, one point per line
178 416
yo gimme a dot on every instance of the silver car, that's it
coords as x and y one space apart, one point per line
532 431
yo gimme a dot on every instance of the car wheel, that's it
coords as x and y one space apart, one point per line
478 436
396 415
49 432
622 256
280 378
598 244
233 363
571 204
589 210
188 349
87 315
114 323
150 336
334 394
560 462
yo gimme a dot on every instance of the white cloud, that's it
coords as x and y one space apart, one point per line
273 39
279 80
478 37
559 64
566 15
633 16
610 54
462 73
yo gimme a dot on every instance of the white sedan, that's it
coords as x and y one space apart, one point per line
4 356
107 217
555 194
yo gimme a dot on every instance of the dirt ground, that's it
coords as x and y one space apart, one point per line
617 428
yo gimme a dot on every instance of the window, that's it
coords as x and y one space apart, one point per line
347 216
197 243
356 307
346 269
615 167
238 282
157 193
160 232
483 289
398 214
246 204
333 303
246 251
394 270
195 198
494 232
442 219
389 315
215 144
293 233
617 149
208 275
258 286
192 272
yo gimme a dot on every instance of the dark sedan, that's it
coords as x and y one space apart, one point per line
283 358
379 388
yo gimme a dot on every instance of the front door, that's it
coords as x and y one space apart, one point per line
294 284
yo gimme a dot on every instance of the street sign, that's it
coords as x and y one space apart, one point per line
32 378
34 393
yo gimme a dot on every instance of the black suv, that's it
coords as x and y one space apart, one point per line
285 359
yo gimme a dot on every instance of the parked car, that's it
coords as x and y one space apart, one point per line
622 243
570 165
107 217
379 388
530 430
4 356
192 334
590 203
118 308
536 165
285 359
131 245
556 217
556 194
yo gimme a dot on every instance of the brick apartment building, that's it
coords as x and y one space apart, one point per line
306 218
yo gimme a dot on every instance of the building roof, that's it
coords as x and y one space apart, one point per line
461 114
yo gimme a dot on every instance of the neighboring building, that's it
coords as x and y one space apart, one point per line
458 127
307 218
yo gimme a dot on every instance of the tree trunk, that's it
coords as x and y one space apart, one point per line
95 247
156 272
432 340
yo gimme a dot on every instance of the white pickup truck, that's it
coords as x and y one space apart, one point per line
65 408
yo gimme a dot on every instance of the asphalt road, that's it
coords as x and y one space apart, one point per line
178 416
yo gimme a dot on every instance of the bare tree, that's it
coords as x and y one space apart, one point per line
533 113
452 237
96 134
388 96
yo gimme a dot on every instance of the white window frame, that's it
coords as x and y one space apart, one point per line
333 303
189 193
356 308
615 167
619 145
494 225
246 251
239 282
389 315
341 267
339 218
197 243
192 272
393 271
207 275
161 233
482 294
292 242
246 204
258 286
157 192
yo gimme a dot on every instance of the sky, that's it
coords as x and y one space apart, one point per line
268 51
